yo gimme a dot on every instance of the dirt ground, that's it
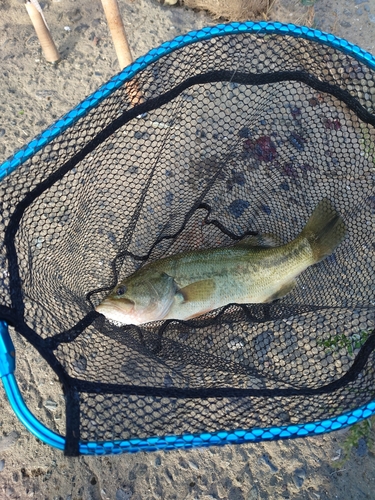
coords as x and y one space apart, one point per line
33 95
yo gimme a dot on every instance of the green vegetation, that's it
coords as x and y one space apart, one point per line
368 142
362 430
356 341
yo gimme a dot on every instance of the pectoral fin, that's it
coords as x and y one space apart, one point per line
197 291
260 240
284 290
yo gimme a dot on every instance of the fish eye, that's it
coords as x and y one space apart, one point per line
121 290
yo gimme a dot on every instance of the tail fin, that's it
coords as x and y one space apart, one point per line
325 230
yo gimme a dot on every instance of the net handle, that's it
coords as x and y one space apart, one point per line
116 27
120 42
45 39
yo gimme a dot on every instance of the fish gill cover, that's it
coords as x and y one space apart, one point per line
235 135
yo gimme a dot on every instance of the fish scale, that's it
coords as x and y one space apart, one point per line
251 277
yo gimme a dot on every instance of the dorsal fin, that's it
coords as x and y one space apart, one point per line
267 240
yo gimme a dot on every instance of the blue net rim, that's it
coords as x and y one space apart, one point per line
153 55
237 436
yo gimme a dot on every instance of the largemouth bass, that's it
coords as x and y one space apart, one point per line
253 270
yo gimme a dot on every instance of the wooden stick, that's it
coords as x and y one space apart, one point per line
122 48
48 46
117 30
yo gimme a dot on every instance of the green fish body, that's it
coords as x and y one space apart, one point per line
189 284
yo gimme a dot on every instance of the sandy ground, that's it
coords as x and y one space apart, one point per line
33 95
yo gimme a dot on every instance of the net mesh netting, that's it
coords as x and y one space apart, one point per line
235 135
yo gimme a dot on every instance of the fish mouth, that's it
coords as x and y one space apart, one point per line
114 311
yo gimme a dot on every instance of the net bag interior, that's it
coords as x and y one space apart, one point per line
239 130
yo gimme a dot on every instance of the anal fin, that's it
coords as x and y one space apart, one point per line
284 290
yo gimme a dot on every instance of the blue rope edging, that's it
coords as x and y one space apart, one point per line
153 55
155 443
7 367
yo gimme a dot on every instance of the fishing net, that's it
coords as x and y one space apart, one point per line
231 135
